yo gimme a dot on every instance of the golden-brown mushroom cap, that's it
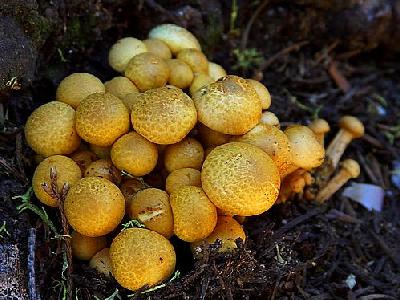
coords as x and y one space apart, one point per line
319 126
130 100
229 105
151 207
240 179
215 71
195 59
134 154
262 92
158 47
182 177
188 153
164 115
50 129
352 125
175 37
269 118
147 71
120 87
141 257
105 169
101 119
101 262
199 80
83 158
94 206
273 142
68 172
181 75
352 167
307 152
84 247
123 51
100 151
77 86
211 138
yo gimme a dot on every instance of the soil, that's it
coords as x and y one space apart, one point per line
296 250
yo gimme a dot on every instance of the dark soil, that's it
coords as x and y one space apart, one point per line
296 250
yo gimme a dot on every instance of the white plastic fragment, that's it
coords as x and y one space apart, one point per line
368 195
351 281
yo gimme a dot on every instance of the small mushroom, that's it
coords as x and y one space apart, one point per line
350 128
158 47
196 60
320 127
215 71
269 118
123 51
199 80
350 169
262 92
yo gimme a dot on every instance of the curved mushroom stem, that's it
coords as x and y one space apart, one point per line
293 184
320 127
350 169
350 128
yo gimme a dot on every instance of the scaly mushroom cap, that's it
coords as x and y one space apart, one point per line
164 115
101 119
229 105
141 257
196 60
307 152
120 87
262 92
273 142
123 51
188 153
194 214
182 177
352 167
84 247
158 47
352 125
101 262
68 172
181 75
240 179
105 169
215 71
77 86
50 129
94 206
175 37
151 207
147 71
134 154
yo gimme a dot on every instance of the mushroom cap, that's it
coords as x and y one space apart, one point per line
101 119
123 51
101 262
262 92
215 71
319 126
120 87
188 153
134 154
269 118
158 47
130 100
83 158
141 257
94 206
151 207
147 71
195 216
273 142
199 80
352 167
76 87
50 129
164 115
105 169
175 37
211 137
196 59
352 125
229 105
84 247
240 179
182 177
181 75
227 230
67 172
307 152
100 151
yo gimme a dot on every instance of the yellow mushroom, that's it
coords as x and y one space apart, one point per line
158 47
123 51
215 71
320 127
269 118
262 92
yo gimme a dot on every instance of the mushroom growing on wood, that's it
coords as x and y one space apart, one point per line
320 127
350 169
350 128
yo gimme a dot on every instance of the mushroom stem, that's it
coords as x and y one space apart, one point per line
320 127
294 183
350 128
350 169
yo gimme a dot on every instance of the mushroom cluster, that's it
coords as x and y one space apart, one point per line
138 147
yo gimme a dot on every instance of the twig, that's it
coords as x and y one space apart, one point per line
33 294
381 243
59 196
339 78
246 32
